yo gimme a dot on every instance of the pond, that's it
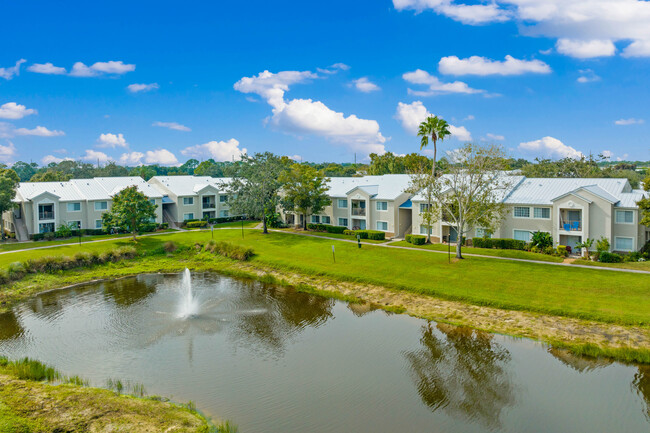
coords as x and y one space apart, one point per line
274 360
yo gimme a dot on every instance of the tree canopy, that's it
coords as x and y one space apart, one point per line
9 181
131 210
304 191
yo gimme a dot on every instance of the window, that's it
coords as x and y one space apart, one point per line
382 205
522 212
223 198
482 233
523 235
624 217
74 225
152 200
424 207
223 213
624 244
46 227
45 212
542 212
382 225
101 205
188 216
343 203
74 207
343 221
315 219
423 230
325 219
98 224
188 201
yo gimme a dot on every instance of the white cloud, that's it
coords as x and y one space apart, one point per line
607 154
79 69
333 69
14 111
132 158
305 116
435 85
112 141
583 28
135 88
39 131
622 158
7 152
585 49
93 156
469 117
364 85
172 125
476 65
549 147
217 150
48 159
46 68
587 76
160 156
411 115
13 71
630 121
494 137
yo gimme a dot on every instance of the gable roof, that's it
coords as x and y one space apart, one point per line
543 191
99 188
385 187
190 185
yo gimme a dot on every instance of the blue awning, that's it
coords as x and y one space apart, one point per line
406 205
167 200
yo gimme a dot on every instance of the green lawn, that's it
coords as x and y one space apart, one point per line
586 293
334 236
641 266
513 254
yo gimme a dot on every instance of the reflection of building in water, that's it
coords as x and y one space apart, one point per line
463 372
360 309
642 385
578 363
9 326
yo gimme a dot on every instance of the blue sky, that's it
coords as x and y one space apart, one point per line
575 80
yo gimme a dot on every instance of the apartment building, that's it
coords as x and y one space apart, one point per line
44 206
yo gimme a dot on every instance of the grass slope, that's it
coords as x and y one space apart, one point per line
512 254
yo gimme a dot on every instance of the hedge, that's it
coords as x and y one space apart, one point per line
196 224
371 234
229 250
499 244
416 239
607 257
229 219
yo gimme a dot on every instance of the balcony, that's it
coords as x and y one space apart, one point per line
358 208
358 211
571 226
570 220
209 205
45 215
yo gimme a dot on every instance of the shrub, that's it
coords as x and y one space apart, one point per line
562 251
63 231
549 251
170 247
418 239
500 244
607 257
16 270
163 226
407 238
348 232
542 240
535 249
335 229
196 224
232 251
376 235
363 234
602 245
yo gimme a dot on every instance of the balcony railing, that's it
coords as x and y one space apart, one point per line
209 205
358 211
46 215
571 226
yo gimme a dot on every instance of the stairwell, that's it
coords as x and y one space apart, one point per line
21 229
167 217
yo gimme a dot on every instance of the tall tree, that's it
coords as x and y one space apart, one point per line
25 170
255 186
438 129
644 204
130 211
304 191
50 175
471 193
9 181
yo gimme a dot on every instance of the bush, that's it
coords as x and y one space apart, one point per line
562 251
607 257
335 229
149 227
418 239
348 232
363 234
63 231
229 250
163 226
602 245
542 240
500 244
170 247
407 238
196 224
376 235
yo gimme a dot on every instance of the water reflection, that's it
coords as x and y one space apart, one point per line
582 364
10 327
125 293
463 372
642 385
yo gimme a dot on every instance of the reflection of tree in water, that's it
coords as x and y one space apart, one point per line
642 385
9 326
579 363
463 372
287 313
129 291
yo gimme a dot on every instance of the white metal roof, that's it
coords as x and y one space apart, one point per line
66 191
386 187
543 191
189 185
503 182
99 188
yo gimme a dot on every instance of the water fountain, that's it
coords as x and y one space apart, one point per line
188 306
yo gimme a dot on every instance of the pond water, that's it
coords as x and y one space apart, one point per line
274 360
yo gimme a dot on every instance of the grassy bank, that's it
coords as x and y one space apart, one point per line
512 254
30 401
640 266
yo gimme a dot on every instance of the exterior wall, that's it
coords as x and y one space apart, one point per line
511 223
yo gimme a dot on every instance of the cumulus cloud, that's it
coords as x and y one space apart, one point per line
333 69
305 116
47 68
476 65
7 152
112 141
79 69
630 121
587 76
217 150
494 137
14 111
172 125
39 131
132 158
582 28
135 88
436 87
13 71
364 85
160 156
549 147
411 115
96 156
48 159
607 154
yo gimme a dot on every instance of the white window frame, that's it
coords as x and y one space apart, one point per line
344 202
530 234
424 207
423 230
541 209
616 238
188 201
383 222
329 219
99 202
620 211
315 219
382 203
78 225
223 198
514 211
73 210
191 215
343 224
98 226
224 213
480 232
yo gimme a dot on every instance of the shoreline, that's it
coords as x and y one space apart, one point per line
624 343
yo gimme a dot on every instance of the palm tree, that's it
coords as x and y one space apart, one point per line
438 129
